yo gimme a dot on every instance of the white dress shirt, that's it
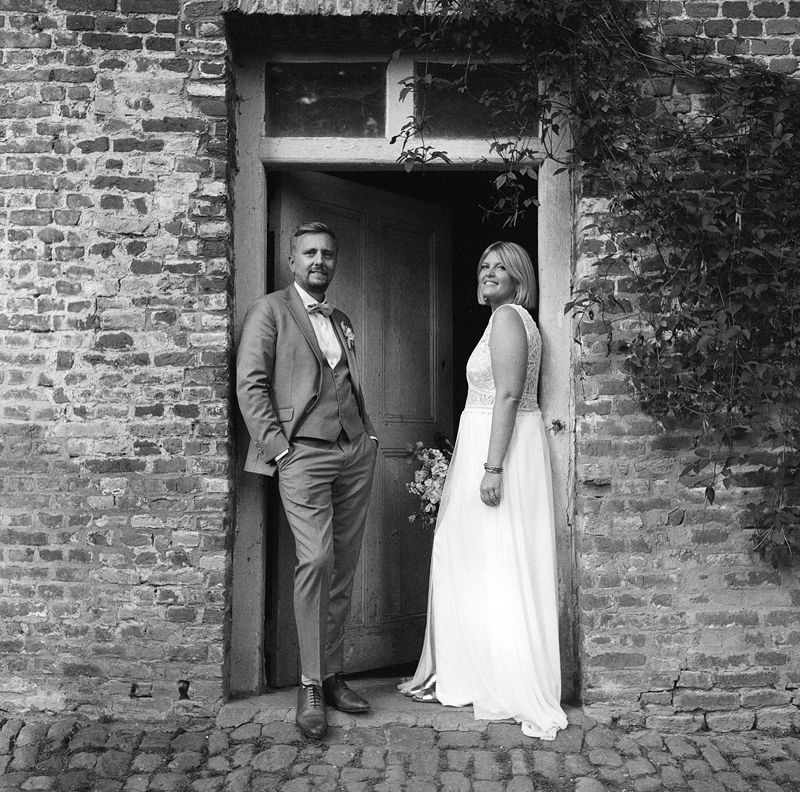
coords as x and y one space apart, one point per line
323 330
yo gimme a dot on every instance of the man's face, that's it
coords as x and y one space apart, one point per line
313 262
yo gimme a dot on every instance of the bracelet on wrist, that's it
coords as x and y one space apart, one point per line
493 468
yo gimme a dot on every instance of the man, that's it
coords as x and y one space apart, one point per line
300 395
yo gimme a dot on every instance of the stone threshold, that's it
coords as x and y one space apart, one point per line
389 706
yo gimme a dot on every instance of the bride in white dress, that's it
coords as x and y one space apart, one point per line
492 633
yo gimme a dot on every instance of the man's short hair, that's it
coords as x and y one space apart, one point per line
313 227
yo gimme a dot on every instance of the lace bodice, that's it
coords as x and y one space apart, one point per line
479 367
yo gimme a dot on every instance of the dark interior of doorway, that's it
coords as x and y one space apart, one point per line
467 194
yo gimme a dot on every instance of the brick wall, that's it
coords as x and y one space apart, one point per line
114 339
768 30
683 627
115 447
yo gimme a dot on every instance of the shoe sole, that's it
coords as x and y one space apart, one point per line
310 734
350 711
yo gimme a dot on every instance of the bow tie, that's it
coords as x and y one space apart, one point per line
325 308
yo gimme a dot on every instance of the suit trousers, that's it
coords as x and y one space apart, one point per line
325 490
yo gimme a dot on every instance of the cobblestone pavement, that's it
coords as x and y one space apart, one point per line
399 747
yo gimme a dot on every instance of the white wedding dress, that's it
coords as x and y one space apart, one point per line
492 633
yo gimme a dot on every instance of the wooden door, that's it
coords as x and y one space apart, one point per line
393 281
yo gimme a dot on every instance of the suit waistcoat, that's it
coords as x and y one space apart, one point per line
336 410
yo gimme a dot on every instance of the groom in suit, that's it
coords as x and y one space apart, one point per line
300 395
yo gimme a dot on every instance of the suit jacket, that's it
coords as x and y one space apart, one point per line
279 369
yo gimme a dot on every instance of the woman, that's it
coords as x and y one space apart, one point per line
492 634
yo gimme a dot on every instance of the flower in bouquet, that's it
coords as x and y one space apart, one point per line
429 479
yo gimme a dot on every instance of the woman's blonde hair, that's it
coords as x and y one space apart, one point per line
519 266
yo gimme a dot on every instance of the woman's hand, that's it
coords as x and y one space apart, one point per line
491 486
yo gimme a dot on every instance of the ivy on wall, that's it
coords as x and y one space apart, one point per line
700 158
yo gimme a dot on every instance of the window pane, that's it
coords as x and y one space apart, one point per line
326 99
456 111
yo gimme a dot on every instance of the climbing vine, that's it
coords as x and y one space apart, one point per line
700 159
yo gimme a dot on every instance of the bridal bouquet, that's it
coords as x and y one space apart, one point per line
429 479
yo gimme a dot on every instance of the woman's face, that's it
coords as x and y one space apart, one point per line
497 285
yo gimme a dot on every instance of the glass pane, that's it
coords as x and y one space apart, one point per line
456 111
326 99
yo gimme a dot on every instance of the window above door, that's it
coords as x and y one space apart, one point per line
325 99
355 106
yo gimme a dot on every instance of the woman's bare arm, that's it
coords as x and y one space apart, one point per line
508 346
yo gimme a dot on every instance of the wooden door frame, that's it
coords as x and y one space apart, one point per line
555 247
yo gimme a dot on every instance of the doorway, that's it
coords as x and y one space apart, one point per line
461 191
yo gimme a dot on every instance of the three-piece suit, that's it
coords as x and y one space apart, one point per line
291 398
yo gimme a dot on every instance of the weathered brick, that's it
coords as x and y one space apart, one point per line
741 720
89 146
140 25
133 144
115 465
782 27
788 64
718 27
161 43
49 236
617 660
66 217
758 699
769 9
17 40
182 614
113 202
771 47
110 24
80 22
706 700
127 184
150 6
30 217
111 41
677 28
87 5
81 669
701 10
193 125
738 9
771 658
26 182
78 75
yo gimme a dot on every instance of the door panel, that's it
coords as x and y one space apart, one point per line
406 547
408 345
393 281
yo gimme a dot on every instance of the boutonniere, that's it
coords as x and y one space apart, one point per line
349 336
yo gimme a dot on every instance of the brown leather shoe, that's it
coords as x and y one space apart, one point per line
341 697
311 716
